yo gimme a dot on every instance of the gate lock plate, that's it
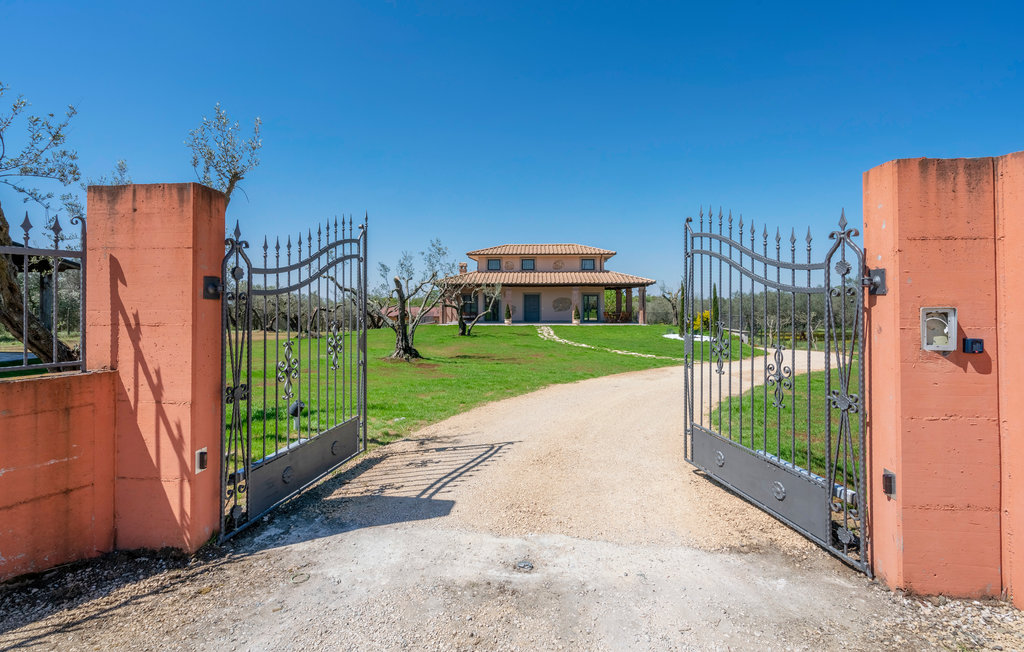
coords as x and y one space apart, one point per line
211 287
875 281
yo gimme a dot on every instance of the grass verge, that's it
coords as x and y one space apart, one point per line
457 374
792 432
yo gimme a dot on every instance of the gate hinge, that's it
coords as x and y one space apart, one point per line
212 287
875 281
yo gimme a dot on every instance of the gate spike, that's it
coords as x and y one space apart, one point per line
842 219
730 217
701 218
277 244
792 237
238 231
319 235
56 228
26 225
765 235
265 246
808 237
720 220
778 235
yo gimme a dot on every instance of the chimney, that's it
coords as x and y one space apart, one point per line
462 268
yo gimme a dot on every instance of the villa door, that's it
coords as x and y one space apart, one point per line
531 308
590 307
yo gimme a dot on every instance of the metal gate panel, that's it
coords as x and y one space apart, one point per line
798 498
774 374
294 365
292 469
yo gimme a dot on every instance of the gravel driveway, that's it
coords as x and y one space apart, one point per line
562 519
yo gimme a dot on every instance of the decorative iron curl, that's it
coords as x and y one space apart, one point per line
721 351
287 369
335 345
780 377
844 402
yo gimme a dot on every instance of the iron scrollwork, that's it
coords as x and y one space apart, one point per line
780 377
287 370
720 348
335 345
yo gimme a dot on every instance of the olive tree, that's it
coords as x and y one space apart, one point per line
221 156
41 156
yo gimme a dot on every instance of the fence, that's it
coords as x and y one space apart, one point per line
49 295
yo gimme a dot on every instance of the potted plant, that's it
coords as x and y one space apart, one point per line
575 316
508 315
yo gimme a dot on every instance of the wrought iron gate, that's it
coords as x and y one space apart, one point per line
774 352
294 366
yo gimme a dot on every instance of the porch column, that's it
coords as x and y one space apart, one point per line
642 316
576 300
618 301
629 301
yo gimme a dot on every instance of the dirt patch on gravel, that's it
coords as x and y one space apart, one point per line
563 519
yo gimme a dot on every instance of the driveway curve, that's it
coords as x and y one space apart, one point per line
562 519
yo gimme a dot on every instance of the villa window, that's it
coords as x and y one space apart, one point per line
587 263
527 264
469 306
494 264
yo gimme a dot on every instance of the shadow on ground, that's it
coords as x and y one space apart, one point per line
411 482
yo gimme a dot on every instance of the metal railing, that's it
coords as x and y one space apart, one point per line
42 304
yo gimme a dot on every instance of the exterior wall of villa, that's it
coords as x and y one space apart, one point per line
541 263
555 302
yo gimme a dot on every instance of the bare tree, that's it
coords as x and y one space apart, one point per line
673 299
392 302
451 290
218 149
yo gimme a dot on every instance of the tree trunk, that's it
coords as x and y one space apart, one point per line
403 345
38 338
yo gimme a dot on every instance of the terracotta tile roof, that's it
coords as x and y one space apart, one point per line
601 279
541 250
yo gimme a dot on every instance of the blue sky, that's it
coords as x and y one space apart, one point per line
481 123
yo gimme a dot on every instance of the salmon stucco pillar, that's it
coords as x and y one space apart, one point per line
934 417
642 315
1009 208
149 247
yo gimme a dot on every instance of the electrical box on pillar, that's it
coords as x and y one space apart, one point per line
938 329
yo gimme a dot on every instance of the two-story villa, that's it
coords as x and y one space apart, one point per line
542 283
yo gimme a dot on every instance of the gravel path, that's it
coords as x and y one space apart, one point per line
563 519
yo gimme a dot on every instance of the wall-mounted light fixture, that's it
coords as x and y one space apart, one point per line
938 329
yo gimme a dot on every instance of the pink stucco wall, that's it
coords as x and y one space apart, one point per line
56 470
947 231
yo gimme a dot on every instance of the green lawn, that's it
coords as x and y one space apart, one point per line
641 339
783 432
457 373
